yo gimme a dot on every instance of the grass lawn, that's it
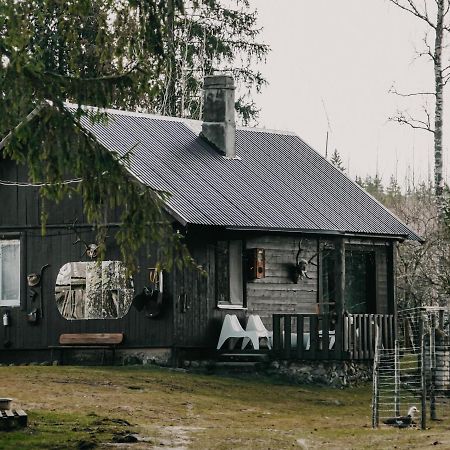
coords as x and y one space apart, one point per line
86 407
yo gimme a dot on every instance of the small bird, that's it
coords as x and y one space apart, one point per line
403 421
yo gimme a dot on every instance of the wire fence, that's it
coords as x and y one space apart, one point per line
416 372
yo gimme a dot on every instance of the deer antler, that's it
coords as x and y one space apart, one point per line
312 257
90 249
299 251
72 227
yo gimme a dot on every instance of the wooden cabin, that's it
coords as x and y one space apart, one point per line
279 231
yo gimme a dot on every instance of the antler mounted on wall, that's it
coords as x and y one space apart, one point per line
91 250
301 265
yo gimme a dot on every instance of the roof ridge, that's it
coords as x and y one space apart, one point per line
184 120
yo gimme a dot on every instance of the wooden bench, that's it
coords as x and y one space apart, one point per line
12 418
91 341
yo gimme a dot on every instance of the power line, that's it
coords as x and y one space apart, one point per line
26 184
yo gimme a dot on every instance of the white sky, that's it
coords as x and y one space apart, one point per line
346 55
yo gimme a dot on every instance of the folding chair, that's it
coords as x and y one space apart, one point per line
255 324
231 328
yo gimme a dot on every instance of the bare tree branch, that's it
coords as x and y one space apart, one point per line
393 90
428 52
412 9
447 9
404 118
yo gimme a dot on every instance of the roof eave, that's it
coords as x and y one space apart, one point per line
397 237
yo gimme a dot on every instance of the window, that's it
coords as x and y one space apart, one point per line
229 274
10 272
328 280
362 290
89 290
360 281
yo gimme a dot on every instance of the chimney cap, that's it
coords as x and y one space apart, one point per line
218 81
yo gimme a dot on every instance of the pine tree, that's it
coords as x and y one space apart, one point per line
336 160
107 53
205 37
374 186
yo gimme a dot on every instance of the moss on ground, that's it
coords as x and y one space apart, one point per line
85 407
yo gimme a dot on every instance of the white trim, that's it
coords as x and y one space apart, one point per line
10 302
123 113
230 306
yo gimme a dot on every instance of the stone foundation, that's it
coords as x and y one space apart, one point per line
338 374
157 356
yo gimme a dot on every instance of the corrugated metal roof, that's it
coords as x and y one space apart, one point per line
279 182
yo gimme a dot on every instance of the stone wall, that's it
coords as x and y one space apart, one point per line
338 374
332 373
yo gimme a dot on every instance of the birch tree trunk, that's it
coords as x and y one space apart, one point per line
433 13
439 106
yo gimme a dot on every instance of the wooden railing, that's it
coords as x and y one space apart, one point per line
324 337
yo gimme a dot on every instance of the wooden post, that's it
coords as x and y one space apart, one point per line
325 336
314 335
423 380
276 335
396 378
340 297
433 366
371 335
433 415
392 286
365 333
287 336
300 333
339 336
375 380
340 275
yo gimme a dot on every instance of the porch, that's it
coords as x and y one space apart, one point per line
326 337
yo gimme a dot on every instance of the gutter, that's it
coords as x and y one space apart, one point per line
399 237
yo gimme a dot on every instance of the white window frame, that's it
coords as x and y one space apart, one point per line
10 302
236 277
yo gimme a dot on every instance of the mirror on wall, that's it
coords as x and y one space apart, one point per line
93 290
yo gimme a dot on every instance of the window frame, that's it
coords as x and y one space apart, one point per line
326 291
220 304
379 253
20 238
369 251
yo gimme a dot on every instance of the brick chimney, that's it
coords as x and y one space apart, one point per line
219 126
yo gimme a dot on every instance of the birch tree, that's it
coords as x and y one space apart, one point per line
435 15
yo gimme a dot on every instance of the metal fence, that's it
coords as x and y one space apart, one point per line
415 371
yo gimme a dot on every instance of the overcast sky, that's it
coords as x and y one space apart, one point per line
339 58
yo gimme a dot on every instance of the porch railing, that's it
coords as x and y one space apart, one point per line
325 337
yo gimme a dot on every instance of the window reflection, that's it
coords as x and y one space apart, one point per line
92 290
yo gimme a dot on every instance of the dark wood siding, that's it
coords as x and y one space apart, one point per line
198 319
191 317
277 293
21 209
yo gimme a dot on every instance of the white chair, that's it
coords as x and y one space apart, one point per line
255 324
231 328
